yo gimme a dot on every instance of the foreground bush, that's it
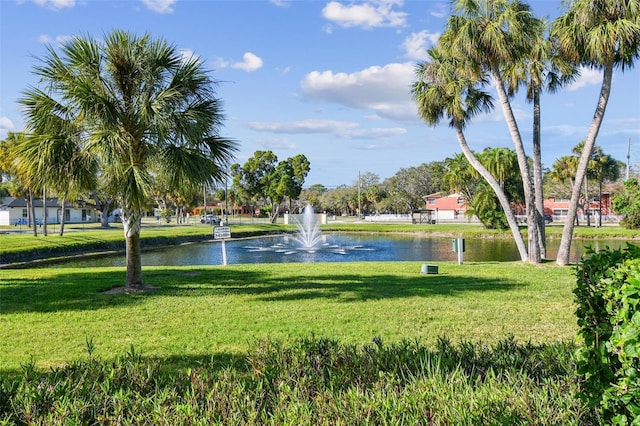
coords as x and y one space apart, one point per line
312 381
608 296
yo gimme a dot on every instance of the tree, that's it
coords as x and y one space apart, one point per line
19 173
141 109
542 68
312 195
262 178
288 181
627 204
408 186
448 86
600 34
502 163
491 35
605 168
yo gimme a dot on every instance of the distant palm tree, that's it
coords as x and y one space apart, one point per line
142 109
601 34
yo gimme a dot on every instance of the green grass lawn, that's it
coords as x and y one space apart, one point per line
49 314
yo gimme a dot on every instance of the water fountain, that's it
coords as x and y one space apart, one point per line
309 235
309 239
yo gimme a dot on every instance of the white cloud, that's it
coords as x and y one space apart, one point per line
439 10
340 129
416 44
384 90
587 77
304 126
250 62
160 6
6 125
60 39
281 3
55 4
276 143
369 14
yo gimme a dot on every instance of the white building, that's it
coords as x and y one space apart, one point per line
13 211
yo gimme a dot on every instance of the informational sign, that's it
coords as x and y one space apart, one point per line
221 232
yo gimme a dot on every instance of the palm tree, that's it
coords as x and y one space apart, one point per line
605 168
543 68
52 152
493 34
141 109
601 34
448 86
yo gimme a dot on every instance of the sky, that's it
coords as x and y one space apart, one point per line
326 79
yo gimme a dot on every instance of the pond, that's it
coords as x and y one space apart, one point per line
335 248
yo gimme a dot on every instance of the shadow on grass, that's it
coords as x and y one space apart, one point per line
83 290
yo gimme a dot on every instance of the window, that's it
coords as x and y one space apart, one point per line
460 200
67 215
432 201
24 213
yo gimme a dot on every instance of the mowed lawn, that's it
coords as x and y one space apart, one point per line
51 315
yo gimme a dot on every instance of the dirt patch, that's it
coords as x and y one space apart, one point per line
126 290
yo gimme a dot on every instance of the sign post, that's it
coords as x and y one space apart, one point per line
222 233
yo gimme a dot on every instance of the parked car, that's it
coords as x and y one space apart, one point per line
548 218
23 221
209 218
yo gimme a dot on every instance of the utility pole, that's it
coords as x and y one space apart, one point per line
628 157
359 205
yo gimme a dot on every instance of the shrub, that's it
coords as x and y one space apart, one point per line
608 296
312 381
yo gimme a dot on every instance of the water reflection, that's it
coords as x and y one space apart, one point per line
344 248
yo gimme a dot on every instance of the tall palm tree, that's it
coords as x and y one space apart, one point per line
493 34
447 87
142 110
600 34
542 69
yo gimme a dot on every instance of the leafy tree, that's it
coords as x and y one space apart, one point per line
312 195
139 107
263 179
287 181
600 34
627 204
408 186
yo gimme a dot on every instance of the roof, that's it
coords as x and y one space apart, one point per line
20 202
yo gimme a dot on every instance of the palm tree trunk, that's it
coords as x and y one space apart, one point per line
44 211
587 205
504 202
534 255
600 203
567 231
537 175
33 215
132 222
62 218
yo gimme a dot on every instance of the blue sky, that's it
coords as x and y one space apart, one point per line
327 79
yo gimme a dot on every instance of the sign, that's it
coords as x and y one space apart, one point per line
221 232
